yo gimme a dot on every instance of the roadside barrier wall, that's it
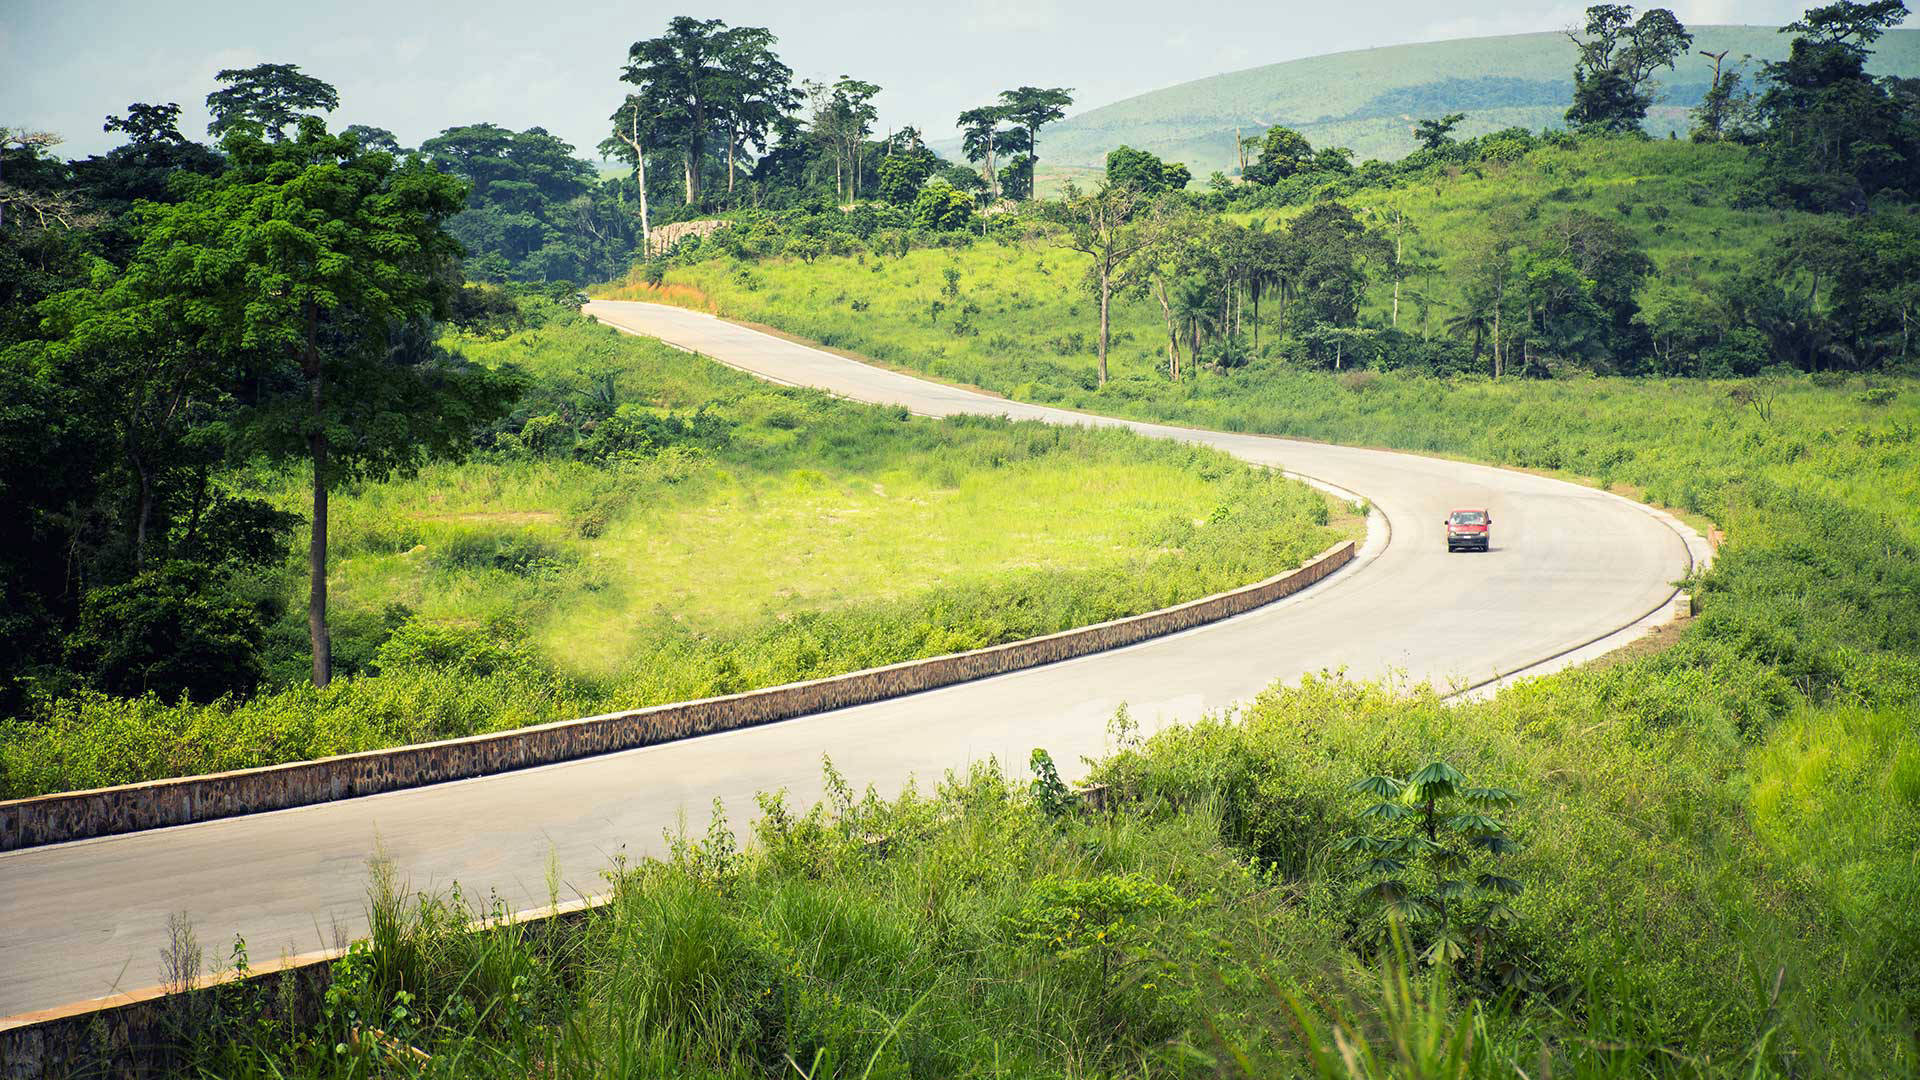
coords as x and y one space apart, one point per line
52 819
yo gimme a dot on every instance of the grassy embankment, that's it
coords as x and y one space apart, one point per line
651 527
1718 841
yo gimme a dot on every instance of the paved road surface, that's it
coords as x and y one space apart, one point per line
1569 565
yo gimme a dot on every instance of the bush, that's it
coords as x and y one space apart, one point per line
515 553
178 631
422 645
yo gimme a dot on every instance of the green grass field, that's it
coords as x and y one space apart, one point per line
776 535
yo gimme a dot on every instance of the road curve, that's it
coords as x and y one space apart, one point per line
1569 566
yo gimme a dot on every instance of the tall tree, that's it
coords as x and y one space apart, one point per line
1031 107
705 76
756 91
373 138
1283 152
1713 119
520 184
979 138
1434 134
843 116
148 126
1834 136
1156 269
1613 77
310 258
1145 172
1111 224
267 98
147 167
635 124
1334 249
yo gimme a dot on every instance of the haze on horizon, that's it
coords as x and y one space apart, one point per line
417 68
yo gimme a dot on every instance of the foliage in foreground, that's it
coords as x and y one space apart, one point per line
1205 925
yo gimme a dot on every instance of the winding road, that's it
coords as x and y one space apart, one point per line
1573 573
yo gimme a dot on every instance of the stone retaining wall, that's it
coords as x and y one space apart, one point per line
142 1033
52 819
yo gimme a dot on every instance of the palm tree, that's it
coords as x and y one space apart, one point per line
1194 308
1476 317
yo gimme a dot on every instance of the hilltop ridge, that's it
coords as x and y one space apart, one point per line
1367 99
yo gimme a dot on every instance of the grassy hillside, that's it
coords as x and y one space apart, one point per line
702 533
1368 100
1683 203
1024 323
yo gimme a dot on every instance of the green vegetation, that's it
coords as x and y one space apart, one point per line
1712 844
1363 100
1695 861
647 527
1208 924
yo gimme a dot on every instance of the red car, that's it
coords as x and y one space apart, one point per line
1469 530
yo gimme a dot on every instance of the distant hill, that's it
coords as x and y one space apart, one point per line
1368 100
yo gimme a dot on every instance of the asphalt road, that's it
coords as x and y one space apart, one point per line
1569 566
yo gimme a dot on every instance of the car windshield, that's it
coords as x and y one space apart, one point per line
1469 517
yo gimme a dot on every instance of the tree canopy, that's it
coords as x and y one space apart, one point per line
1613 78
267 98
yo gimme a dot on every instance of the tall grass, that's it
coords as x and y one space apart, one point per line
785 536
1718 838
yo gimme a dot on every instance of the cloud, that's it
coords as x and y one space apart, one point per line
1014 16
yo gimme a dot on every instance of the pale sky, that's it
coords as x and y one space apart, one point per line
418 67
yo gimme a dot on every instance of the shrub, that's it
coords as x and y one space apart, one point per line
176 631
467 650
517 553
1430 861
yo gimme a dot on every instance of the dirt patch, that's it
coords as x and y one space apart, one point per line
1658 640
678 295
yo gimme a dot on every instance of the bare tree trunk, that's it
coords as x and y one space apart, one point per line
1033 157
317 545
1173 329
733 140
640 181
693 179
640 177
1499 301
1106 294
